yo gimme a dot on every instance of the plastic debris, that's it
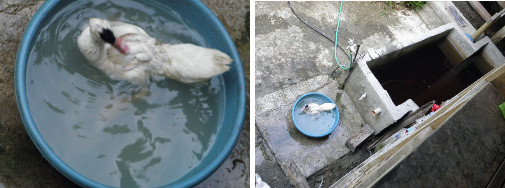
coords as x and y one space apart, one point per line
502 109
377 111
435 107
362 96
260 183
404 132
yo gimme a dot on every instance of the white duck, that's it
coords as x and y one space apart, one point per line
126 52
313 108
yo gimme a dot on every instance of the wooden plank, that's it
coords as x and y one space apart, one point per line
446 115
497 77
498 36
480 9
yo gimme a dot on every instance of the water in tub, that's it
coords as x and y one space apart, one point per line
96 125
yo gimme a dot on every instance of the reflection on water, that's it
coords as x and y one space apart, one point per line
314 124
103 128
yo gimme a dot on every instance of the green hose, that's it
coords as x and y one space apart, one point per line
502 109
336 39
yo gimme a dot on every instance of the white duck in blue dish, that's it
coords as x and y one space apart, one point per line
313 108
124 51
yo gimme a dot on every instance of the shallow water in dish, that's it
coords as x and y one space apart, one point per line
108 130
314 124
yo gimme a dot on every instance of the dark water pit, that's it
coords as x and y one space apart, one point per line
425 74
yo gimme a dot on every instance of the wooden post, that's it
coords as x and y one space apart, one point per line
480 9
488 24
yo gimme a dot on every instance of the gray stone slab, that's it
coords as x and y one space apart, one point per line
465 151
309 154
267 167
294 174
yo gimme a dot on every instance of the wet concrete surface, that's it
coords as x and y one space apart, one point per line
21 164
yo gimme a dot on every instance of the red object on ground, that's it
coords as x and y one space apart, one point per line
435 107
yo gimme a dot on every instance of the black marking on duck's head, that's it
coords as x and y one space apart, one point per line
108 36
305 107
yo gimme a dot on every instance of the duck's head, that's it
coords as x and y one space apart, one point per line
308 106
102 31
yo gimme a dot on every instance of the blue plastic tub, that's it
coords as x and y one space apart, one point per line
314 125
204 22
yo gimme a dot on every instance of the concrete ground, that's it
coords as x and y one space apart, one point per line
292 59
21 165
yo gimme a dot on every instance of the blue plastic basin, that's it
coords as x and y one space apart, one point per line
214 33
314 125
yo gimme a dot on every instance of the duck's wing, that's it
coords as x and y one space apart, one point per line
120 28
191 63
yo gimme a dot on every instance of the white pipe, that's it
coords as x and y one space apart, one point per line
377 111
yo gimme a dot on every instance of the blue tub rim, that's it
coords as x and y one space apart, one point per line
57 163
293 112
